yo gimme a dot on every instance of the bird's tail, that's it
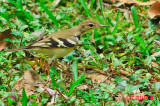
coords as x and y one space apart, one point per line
15 49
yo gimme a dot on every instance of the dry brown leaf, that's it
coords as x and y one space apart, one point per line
156 54
5 1
154 64
136 91
4 35
144 3
157 42
30 80
38 34
154 10
125 72
123 77
122 2
82 87
96 77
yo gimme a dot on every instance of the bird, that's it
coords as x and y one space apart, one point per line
59 44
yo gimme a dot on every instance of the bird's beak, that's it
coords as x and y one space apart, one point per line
103 25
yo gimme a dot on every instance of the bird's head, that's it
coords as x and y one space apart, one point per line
90 24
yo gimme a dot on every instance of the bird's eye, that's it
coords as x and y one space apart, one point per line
91 25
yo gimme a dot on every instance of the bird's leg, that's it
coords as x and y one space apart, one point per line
56 64
50 60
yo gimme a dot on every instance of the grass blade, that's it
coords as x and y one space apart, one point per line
85 7
96 58
101 7
55 22
55 72
53 79
55 85
141 41
135 16
114 30
92 2
117 16
79 80
24 98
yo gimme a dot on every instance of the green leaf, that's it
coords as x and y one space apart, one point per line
96 57
92 2
9 101
7 39
24 98
19 2
117 16
75 69
77 82
4 16
28 15
55 72
55 22
53 79
141 41
135 17
131 88
101 7
114 30
156 85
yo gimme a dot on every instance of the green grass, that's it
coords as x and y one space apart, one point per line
125 46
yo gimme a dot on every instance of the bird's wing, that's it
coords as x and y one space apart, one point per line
52 42
48 42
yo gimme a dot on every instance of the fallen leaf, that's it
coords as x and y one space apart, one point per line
122 2
96 77
123 77
136 91
154 10
157 54
157 42
154 64
125 72
82 87
38 34
4 35
30 80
